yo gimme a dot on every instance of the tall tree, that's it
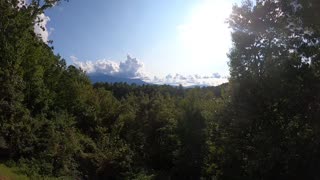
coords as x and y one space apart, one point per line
272 119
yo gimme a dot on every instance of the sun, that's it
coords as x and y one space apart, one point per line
205 36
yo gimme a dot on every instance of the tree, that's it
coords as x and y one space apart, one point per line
29 124
271 121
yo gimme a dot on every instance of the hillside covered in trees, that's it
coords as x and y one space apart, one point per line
263 124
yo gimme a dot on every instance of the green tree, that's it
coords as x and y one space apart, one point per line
271 122
191 131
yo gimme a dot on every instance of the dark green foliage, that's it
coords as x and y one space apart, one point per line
271 123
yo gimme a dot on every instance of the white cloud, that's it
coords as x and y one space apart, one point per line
40 27
22 3
190 80
133 68
99 66
41 21
216 75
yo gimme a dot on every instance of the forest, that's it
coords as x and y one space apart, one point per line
263 124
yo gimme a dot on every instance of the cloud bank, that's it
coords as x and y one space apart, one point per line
191 80
132 68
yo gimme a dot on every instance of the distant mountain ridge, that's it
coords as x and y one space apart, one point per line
99 77
103 78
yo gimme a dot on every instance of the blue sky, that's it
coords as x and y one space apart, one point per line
185 37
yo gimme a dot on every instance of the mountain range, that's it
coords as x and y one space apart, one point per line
99 77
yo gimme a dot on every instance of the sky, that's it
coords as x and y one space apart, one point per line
164 42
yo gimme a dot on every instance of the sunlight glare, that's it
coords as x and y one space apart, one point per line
205 36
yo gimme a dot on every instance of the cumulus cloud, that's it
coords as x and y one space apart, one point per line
40 27
99 66
131 68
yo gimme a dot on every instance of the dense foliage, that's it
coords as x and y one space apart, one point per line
262 125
